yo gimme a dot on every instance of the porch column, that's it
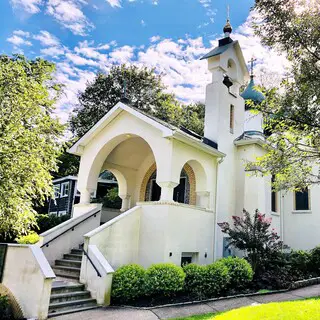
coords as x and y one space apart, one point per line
167 190
85 197
125 202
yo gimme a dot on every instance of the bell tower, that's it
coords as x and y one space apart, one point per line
224 114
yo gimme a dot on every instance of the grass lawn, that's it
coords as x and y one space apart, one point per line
293 310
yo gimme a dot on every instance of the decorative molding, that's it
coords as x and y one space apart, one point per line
145 181
192 181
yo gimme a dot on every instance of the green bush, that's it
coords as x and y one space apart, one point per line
48 221
164 279
128 283
240 272
31 238
216 279
5 309
195 279
300 264
314 262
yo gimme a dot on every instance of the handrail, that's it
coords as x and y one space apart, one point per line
94 267
71 228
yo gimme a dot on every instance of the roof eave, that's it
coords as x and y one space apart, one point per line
197 144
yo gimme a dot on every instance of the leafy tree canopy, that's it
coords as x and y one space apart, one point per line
145 91
29 140
293 109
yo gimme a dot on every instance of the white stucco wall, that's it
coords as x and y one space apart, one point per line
28 275
148 233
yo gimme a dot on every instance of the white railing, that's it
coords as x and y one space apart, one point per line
69 234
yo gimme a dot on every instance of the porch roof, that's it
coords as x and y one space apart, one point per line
168 130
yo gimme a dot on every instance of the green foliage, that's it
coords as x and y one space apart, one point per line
164 279
300 264
68 164
48 221
216 279
240 272
195 280
314 261
31 238
292 110
128 283
5 309
253 236
29 140
145 91
112 200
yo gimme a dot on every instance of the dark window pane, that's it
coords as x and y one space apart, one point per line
156 191
302 200
186 260
180 191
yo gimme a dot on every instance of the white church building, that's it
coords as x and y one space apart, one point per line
175 187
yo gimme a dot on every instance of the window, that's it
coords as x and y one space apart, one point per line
274 203
56 190
189 257
302 200
65 189
231 118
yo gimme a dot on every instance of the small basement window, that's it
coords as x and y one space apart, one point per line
301 200
188 257
65 189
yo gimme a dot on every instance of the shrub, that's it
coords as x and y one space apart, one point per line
164 279
48 221
5 309
314 262
300 264
128 283
240 272
195 279
31 238
216 279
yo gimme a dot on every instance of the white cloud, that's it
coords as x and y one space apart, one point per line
52 51
80 61
18 41
143 23
22 33
47 39
30 6
114 3
155 39
69 14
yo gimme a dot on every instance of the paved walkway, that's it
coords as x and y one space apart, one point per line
115 313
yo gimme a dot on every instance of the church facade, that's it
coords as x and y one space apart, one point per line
176 186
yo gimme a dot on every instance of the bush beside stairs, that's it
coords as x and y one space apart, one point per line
68 295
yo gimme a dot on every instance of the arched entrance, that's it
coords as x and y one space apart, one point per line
183 193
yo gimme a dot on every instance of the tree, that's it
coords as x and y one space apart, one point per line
262 248
145 91
29 140
293 109
143 88
68 164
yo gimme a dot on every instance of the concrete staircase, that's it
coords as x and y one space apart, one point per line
67 294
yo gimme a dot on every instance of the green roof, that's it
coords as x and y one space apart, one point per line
251 93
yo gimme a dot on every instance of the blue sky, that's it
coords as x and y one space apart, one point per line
84 36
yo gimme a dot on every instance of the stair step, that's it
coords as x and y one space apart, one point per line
68 263
70 296
69 311
67 272
74 304
66 288
76 251
70 256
